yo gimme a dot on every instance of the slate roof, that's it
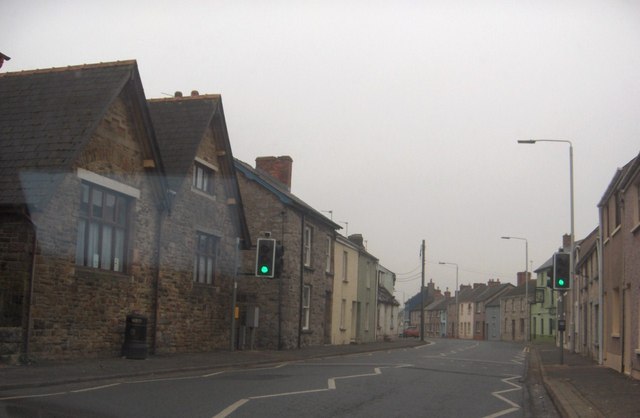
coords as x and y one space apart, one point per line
439 304
180 124
384 296
46 119
619 178
280 191
521 290
492 291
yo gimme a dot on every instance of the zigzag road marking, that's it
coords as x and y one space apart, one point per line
331 385
498 394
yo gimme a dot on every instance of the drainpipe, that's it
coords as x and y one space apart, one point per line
26 338
156 290
600 249
302 221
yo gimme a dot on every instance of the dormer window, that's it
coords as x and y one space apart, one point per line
202 178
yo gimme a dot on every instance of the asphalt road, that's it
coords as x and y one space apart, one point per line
451 378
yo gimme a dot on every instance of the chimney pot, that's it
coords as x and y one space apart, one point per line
178 94
194 93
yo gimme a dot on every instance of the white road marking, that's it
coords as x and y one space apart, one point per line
498 394
331 385
94 388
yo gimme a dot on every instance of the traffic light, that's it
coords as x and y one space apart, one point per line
265 257
561 276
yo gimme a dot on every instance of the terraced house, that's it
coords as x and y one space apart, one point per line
295 309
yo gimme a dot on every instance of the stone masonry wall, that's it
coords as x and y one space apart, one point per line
279 299
195 316
79 311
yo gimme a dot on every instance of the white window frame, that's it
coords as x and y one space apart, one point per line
306 307
328 265
308 234
345 266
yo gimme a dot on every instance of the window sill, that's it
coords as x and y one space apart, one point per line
637 351
617 336
616 230
635 228
82 272
307 332
206 195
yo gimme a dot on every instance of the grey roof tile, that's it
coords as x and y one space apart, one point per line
46 118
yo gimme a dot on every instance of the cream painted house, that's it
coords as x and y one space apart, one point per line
345 292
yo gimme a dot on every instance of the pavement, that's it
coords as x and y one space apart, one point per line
578 387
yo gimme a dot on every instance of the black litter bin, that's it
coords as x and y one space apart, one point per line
135 337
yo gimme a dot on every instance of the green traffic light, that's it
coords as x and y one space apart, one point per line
561 282
264 269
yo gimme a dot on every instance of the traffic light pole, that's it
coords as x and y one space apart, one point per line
560 329
422 251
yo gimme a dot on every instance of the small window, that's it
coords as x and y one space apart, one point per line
203 178
345 266
307 246
102 228
306 306
204 269
328 264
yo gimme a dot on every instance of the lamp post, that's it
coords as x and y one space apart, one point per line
457 332
572 237
526 285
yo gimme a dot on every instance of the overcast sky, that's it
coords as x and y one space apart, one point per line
401 116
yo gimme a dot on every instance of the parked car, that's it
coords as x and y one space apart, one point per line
411 331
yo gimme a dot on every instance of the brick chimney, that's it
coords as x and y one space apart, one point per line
277 167
521 277
492 282
566 242
447 293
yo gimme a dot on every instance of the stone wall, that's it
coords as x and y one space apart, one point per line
195 316
79 311
279 299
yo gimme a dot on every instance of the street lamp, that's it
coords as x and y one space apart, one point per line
572 237
457 331
526 284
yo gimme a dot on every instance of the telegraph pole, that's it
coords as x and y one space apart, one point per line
422 251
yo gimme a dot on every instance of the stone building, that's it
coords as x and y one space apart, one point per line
294 309
82 195
93 231
204 230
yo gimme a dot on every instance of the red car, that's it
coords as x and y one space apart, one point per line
411 332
